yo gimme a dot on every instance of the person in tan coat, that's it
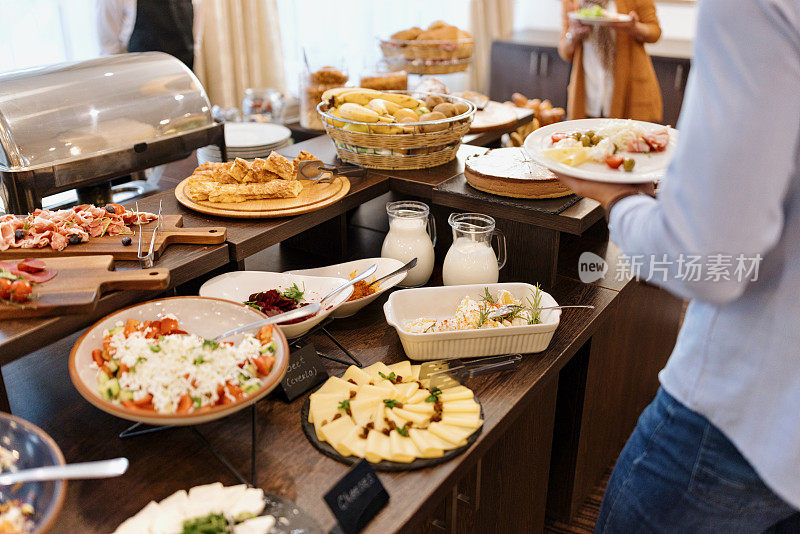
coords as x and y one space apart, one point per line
612 75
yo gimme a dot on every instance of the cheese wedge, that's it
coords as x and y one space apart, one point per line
402 448
336 385
378 447
376 368
355 443
415 371
464 420
335 433
461 406
419 396
356 375
425 446
391 416
406 390
389 389
422 408
453 434
402 369
379 417
456 393
572 156
323 406
416 418
363 410
436 441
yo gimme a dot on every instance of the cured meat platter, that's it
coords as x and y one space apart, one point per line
170 232
72 284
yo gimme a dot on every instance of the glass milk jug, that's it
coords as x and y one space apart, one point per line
471 259
412 234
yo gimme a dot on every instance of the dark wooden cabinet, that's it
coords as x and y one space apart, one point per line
535 71
539 72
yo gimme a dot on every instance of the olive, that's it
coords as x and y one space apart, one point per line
110 209
126 241
19 233
628 164
576 136
586 140
74 239
590 133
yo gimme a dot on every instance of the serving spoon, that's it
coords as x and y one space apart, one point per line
101 469
298 313
405 268
511 308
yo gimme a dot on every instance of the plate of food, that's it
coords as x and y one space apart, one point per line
383 413
157 362
217 509
274 293
604 150
262 188
363 293
436 323
30 507
598 15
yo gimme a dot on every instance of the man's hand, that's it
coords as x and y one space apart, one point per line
601 191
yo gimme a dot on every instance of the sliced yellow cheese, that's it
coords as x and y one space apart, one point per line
415 371
453 434
356 375
419 396
406 390
427 448
379 417
336 432
423 408
415 418
378 447
336 385
355 443
389 389
372 392
572 156
363 410
402 369
456 393
393 417
436 441
322 407
461 406
402 448
376 368
464 420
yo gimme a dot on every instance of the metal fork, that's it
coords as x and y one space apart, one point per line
146 260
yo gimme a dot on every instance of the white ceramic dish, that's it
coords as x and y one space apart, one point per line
600 21
440 302
202 316
649 167
239 285
254 134
343 270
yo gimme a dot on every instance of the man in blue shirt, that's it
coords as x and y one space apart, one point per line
718 450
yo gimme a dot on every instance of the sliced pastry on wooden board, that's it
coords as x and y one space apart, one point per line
383 412
510 172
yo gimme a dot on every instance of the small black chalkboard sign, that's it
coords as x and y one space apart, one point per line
356 498
305 371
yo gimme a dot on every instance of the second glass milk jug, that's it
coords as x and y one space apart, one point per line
471 259
412 234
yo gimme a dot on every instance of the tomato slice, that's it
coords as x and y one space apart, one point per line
265 334
263 364
184 404
614 161
168 326
131 326
556 137
5 288
97 356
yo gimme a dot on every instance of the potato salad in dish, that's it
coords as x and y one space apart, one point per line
156 366
473 313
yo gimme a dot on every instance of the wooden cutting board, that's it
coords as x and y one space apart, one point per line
80 281
171 231
314 196
494 116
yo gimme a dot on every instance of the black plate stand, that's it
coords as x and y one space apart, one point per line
140 429
300 341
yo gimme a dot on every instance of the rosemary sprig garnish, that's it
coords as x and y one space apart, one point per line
488 296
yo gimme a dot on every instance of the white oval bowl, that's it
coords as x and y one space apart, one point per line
239 285
439 302
343 270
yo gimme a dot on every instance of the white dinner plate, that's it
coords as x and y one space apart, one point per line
649 167
254 134
600 21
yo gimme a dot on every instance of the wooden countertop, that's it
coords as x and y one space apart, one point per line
287 464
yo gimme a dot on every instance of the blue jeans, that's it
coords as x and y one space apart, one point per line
678 473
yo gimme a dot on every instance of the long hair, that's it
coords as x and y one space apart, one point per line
606 43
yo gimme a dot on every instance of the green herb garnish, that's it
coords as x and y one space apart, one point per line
434 396
210 343
210 524
294 293
535 302
391 403
197 402
253 304
391 378
403 430
488 296
155 348
200 359
344 405
431 326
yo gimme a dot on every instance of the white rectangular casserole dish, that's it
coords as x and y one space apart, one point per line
440 302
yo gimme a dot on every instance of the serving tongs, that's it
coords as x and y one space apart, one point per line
146 260
444 374
317 172
298 313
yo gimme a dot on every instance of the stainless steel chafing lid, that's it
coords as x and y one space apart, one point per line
72 111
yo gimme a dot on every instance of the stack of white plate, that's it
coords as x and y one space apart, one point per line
248 140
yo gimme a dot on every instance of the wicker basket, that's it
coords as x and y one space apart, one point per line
422 67
399 151
425 50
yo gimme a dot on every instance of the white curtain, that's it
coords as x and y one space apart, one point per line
490 20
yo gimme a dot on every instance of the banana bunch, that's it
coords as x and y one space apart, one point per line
385 113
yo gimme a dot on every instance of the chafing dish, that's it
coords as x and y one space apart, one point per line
80 124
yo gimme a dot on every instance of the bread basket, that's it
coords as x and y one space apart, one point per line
428 57
414 150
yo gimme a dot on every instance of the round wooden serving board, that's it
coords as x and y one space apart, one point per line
493 117
314 196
